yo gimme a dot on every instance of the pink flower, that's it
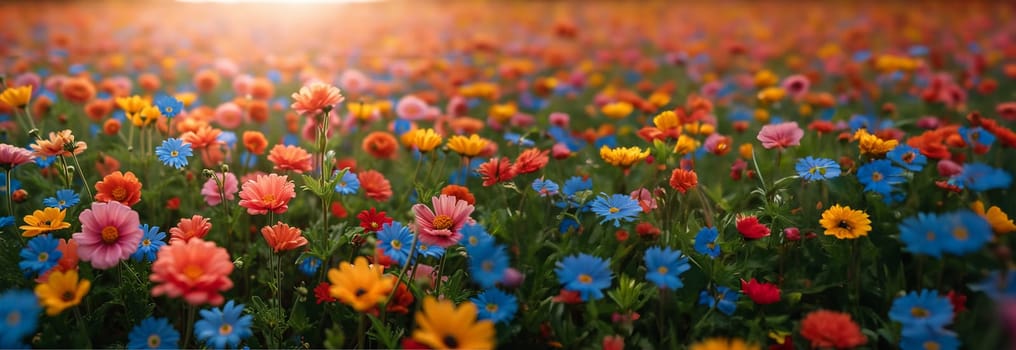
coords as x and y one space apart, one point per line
441 226
228 115
267 193
781 135
645 198
211 188
412 108
559 119
12 156
354 81
796 85
560 151
110 232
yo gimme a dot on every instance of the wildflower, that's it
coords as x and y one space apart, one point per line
424 140
60 143
20 311
39 255
322 293
617 110
467 146
761 293
210 190
17 97
64 199
998 285
360 285
309 266
174 152
724 300
683 180
487 264
153 333
968 231
999 220
444 326
939 341
664 267
168 106
195 270
923 234
922 313
411 107
441 225
645 199
496 170
495 305
880 176
151 242
980 177
395 240
375 185
267 193
617 207
830 329
845 223
585 274
530 161
475 236
281 237
460 192
349 184
291 158
61 291
781 135
871 145
750 228
705 242
189 228
373 220
315 98
723 344
623 157
224 327
42 221
110 232
12 156
119 187
907 157
817 169
381 145
545 187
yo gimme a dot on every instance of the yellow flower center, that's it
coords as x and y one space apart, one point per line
268 199
931 345
662 270
474 241
613 210
585 279
193 272
442 222
146 242
908 157
61 203
43 256
919 312
491 308
961 233
119 193
225 329
876 176
711 245
154 341
174 153
373 225
110 234
396 244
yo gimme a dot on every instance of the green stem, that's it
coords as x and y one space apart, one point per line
440 270
31 121
361 331
81 326
81 173
189 326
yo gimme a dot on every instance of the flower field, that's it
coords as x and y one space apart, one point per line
478 175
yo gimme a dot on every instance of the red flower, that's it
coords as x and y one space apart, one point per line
830 329
683 180
373 220
530 161
173 203
568 297
647 230
958 300
496 171
322 294
792 233
761 293
338 210
375 185
750 228
621 235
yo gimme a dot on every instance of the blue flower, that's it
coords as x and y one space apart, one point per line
309 265
617 207
880 176
153 333
227 137
907 157
224 327
514 138
923 234
151 242
6 221
64 199
174 152
495 305
19 315
922 313
395 240
977 137
168 105
980 177
997 285
725 300
428 251
586 274
968 232
39 255
567 224
487 264
664 267
705 242
349 184
474 236
815 169
575 185
940 341
545 187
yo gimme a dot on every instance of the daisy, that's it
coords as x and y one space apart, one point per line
267 193
441 226
174 152
110 232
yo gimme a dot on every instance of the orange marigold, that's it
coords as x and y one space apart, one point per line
120 187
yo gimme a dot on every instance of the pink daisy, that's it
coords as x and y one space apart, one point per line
796 85
211 188
781 135
110 232
267 193
12 156
441 226
412 108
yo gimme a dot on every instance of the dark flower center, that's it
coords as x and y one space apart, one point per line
843 224
450 341
360 292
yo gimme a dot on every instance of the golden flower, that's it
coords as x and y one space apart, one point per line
771 94
425 140
444 326
362 111
845 223
146 117
745 150
61 291
131 106
761 115
17 96
467 146
723 344
765 78
623 157
685 145
187 98
359 284
872 145
42 221
617 110
659 99
666 120
502 112
998 219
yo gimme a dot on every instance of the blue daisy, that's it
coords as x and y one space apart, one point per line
309 265
586 274
705 242
980 177
576 184
545 187
567 224
168 105
664 267
473 236
487 264
724 300
19 315
151 242
922 313
817 169
64 199
6 221
495 305
174 152
395 240
923 234
976 137
968 231
153 333
880 176
349 184
907 157
39 255
940 341
997 285
227 326
428 251
617 207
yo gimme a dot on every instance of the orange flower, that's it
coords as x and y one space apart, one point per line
106 165
195 270
257 111
530 161
267 193
120 187
459 192
314 98
262 89
380 144
375 185
830 329
255 142
202 138
195 227
683 180
77 90
58 144
111 127
206 81
282 237
98 109
290 158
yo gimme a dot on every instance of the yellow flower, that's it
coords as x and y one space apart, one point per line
359 285
771 94
699 128
17 96
659 99
502 112
617 110
443 326
666 120
761 115
131 106
745 150
479 90
362 111
723 344
61 291
41 221
872 145
424 140
685 145
467 146
187 98
765 78
998 219
845 223
623 157
147 116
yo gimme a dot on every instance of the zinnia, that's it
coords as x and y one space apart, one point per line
110 232
441 226
57 145
281 237
360 284
375 185
781 135
290 158
683 180
195 270
496 171
119 187
380 144
314 98
195 227
267 193
211 188
530 161
830 329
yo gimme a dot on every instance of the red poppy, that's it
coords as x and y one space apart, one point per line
761 293
750 228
